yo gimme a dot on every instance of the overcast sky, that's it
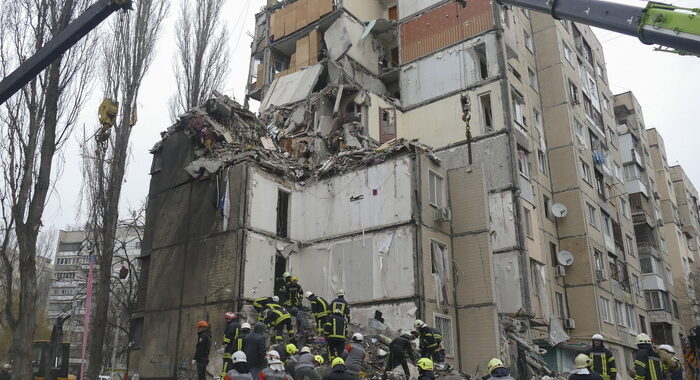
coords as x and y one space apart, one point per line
666 85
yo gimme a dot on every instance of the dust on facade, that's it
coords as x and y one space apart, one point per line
545 228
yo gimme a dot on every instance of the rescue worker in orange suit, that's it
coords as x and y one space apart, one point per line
292 293
201 353
647 363
280 320
336 330
320 310
233 328
603 361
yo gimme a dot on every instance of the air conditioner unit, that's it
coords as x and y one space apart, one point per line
569 323
559 271
443 214
600 275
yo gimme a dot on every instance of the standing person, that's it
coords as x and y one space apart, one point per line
239 369
201 353
425 369
255 346
672 367
275 368
305 366
263 303
498 371
302 325
319 309
603 361
354 355
430 340
5 372
280 283
341 304
336 330
400 349
647 363
583 362
293 293
338 371
281 320
233 328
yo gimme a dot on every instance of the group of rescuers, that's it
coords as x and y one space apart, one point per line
247 356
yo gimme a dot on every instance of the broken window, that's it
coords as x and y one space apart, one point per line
436 189
443 323
440 268
561 305
387 124
483 63
527 222
486 116
523 164
518 108
282 213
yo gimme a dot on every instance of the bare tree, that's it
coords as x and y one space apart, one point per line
202 61
127 58
33 126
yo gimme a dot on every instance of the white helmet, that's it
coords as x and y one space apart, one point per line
597 337
667 348
404 332
286 274
341 293
245 325
273 357
275 299
418 324
306 349
7 366
308 294
239 357
357 337
642 339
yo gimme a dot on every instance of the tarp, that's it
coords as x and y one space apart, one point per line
292 88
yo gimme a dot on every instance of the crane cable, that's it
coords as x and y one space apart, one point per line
464 97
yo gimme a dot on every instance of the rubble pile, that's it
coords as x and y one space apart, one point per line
281 141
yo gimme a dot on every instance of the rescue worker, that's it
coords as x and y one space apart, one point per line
399 349
263 303
338 371
497 370
5 372
336 330
201 353
647 363
603 361
354 355
583 362
302 325
280 283
430 340
672 368
255 346
292 358
280 320
292 294
239 369
320 368
319 309
341 304
425 369
233 328
305 366
275 369
237 343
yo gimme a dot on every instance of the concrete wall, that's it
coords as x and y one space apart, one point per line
410 7
366 10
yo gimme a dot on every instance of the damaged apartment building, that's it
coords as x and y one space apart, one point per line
514 242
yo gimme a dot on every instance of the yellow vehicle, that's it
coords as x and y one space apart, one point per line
48 368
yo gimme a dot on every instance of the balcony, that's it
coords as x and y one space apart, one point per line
635 185
652 281
631 155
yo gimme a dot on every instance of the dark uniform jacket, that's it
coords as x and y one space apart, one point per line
338 372
429 338
275 316
647 364
426 375
255 347
203 345
590 376
319 306
232 331
292 294
603 362
341 304
335 327
401 348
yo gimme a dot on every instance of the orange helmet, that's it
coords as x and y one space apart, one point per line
202 324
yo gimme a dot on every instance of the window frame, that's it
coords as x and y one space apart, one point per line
606 312
434 179
447 337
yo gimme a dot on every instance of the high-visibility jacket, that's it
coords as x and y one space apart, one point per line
262 302
276 316
341 304
335 327
672 370
292 294
235 345
603 362
647 364
429 338
232 331
319 306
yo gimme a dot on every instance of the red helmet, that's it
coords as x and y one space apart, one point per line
230 315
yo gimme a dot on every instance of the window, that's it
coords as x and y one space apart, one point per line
438 255
553 254
669 276
599 70
532 77
606 103
567 52
614 271
136 332
592 220
282 213
605 312
528 223
542 161
528 41
657 300
632 171
436 189
573 93
483 65
580 134
600 185
387 124
675 310
612 136
621 310
518 108
515 72
607 224
630 245
624 208
598 258
585 172
635 284
523 166
561 305
538 120
643 323
65 276
547 204
486 116
443 324
62 247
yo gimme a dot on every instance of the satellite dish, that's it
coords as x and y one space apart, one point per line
565 258
559 210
